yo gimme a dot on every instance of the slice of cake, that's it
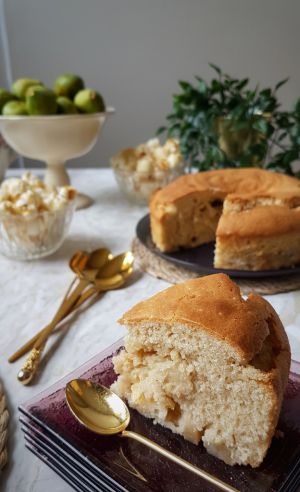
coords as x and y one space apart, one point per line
259 233
207 364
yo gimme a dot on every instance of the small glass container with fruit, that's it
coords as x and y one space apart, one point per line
34 218
53 125
141 170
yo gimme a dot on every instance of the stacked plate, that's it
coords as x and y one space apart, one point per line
67 465
89 462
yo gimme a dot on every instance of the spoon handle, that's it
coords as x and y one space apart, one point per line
180 461
102 285
30 343
74 301
29 369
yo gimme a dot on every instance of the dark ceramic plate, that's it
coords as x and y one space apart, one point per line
90 462
201 259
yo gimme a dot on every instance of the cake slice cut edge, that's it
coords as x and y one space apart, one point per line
203 386
258 234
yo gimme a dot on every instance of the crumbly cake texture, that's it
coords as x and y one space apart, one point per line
253 214
207 364
259 238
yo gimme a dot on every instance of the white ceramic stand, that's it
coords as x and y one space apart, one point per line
55 139
56 175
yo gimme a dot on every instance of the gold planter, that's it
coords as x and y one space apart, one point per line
234 143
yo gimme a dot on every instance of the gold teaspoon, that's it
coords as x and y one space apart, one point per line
78 263
118 264
100 410
29 369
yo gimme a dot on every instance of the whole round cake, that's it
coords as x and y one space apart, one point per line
253 214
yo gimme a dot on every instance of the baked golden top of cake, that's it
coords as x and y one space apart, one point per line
213 304
250 181
260 222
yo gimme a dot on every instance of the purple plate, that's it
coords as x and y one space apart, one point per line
201 258
125 465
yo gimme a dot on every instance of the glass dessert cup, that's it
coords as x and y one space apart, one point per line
35 235
55 139
138 186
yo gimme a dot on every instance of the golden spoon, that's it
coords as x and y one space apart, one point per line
79 262
124 264
102 411
118 264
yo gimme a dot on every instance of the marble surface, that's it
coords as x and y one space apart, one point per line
30 294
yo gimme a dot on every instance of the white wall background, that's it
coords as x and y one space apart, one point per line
134 51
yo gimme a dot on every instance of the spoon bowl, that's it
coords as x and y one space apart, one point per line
86 264
113 282
78 261
97 407
118 264
100 410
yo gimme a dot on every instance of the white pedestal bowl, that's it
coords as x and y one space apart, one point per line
54 140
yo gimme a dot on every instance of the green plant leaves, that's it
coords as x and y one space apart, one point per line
202 87
225 124
161 130
214 67
261 125
297 107
240 85
280 83
184 85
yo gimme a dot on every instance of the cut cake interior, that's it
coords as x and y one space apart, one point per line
258 233
207 364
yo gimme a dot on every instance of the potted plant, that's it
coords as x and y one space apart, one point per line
224 123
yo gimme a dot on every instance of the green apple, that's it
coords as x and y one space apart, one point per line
41 101
5 96
65 105
89 101
21 86
14 108
68 85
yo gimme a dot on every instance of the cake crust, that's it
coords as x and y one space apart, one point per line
213 304
248 181
259 222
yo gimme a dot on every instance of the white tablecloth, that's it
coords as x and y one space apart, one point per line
31 291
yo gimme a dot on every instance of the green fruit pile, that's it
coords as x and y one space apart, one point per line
31 97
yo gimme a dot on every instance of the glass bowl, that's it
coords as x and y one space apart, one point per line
138 186
33 236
